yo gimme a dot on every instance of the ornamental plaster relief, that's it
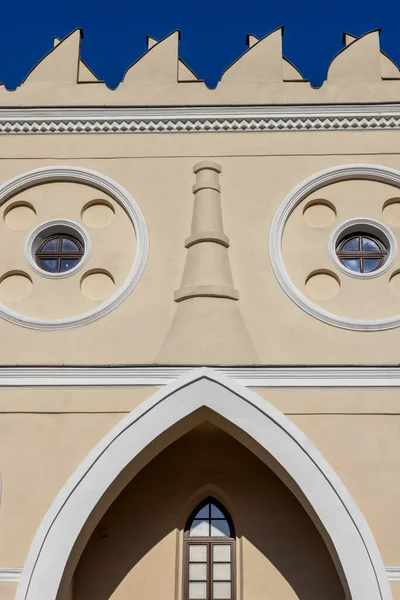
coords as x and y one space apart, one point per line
74 202
359 73
310 235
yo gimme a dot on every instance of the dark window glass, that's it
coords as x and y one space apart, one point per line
59 253
361 253
209 553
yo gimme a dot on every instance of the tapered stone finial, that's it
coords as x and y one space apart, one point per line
208 327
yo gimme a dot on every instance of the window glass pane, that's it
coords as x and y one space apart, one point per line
370 264
50 265
68 263
370 245
221 590
351 245
199 528
219 528
197 591
221 552
198 552
216 513
51 246
353 264
69 246
198 572
222 571
204 513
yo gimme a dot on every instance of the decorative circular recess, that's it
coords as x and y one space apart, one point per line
298 194
97 285
15 286
20 216
322 285
394 283
45 259
391 212
319 213
98 213
120 195
368 232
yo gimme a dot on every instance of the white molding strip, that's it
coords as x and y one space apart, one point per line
13 575
157 376
9 574
199 119
393 573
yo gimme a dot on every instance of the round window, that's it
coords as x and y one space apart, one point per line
362 248
59 253
58 248
361 253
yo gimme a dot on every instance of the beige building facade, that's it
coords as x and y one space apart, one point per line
200 325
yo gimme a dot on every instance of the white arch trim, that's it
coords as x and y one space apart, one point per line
299 463
119 194
297 195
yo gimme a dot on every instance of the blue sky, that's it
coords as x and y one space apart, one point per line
213 31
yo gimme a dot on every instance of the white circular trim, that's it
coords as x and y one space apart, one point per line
297 195
120 195
370 226
69 225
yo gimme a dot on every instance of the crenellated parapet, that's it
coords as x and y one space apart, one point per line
360 73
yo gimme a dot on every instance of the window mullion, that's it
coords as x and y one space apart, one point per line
210 574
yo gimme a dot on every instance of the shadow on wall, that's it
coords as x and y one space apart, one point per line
133 551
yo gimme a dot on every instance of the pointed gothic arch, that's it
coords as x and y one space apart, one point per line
166 416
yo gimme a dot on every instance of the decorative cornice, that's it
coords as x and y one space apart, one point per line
197 119
327 377
9 574
393 573
13 575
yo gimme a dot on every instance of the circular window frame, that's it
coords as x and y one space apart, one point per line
306 187
368 227
54 227
54 174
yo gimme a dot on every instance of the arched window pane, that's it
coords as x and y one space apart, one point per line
352 245
369 245
204 512
200 527
220 528
51 246
69 245
216 513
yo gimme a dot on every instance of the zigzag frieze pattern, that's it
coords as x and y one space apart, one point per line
190 125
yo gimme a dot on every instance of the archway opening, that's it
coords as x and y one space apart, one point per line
138 547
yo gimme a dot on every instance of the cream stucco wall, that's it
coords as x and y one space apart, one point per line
253 185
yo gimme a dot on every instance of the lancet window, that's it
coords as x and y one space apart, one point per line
209 553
